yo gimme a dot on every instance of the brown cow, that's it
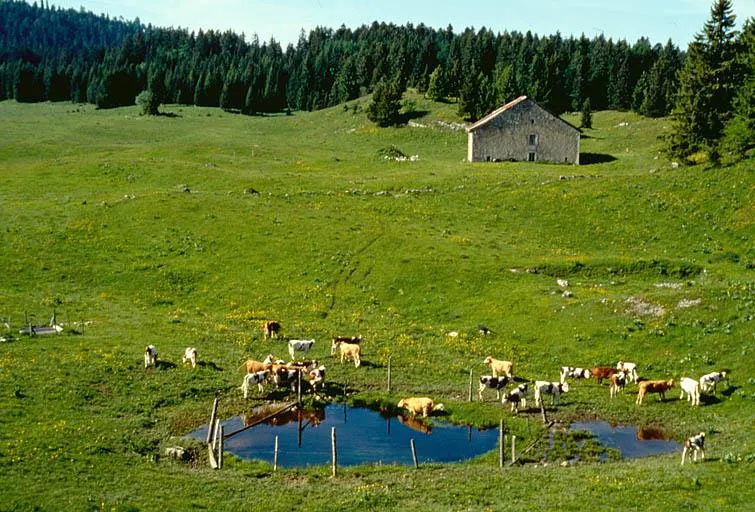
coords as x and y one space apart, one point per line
602 372
653 386
270 328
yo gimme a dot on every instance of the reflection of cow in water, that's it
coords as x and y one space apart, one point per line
650 433
415 423
310 416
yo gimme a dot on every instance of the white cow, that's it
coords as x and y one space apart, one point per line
691 388
552 388
709 381
694 444
302 346
150 356
630 368
190 356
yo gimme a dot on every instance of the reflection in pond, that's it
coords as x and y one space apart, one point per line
364 437
631 441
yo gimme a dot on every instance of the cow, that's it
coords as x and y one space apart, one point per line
254 378
337 340
516 397
283 375
602 372
499 367
420 405
630 368
691 388
709 381
351 351
150 356
270 329
252 365
497 383
190 356
302 346
317 377
569 372
552 388
694 444
653 386
618 381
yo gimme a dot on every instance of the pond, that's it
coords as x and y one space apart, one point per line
631 441
363 436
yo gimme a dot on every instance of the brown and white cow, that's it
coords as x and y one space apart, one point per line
618 381
694 444
271 328
602 372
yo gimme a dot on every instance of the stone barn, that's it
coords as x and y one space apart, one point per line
522 130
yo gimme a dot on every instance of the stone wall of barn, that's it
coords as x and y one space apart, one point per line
525 132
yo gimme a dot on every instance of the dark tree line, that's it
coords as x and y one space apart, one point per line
52 54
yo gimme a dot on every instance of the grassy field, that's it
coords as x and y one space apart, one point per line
192 228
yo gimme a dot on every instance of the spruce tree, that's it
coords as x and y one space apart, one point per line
437 88
739 134
707 86
386 104
586 121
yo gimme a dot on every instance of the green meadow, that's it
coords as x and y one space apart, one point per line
189 229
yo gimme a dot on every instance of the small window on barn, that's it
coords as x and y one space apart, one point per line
532 139
531 157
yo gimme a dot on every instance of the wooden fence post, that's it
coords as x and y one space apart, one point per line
389 374
275 455
414 452
213 415
501 443
542 411
470 385
220 446
513 449
333 451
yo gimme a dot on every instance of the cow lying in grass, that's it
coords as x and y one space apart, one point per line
420 405
691 388
150 356
694 444
569 372
497 383
499 367
653 386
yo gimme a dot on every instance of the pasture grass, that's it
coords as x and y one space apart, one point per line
189 230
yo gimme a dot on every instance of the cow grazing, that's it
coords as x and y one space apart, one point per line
254 378
691 388
302 346
190 356
653 386
337 340
602 372
552 388
499 367
253 366
569 372
283 375
270 329
516 397
420 405
709 381
317 377
630 368
497 383
618 381
694 444
150 356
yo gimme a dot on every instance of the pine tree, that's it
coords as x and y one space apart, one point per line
505 86
437 88
386 104
739 134
707 86
586 120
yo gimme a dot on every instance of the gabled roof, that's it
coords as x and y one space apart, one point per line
508 106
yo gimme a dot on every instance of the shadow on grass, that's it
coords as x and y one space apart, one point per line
164 365
595 158
729 391
210 365
408 116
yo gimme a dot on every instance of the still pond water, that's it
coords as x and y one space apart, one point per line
363 437
631 441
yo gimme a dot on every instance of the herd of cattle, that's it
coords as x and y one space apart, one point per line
281 373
